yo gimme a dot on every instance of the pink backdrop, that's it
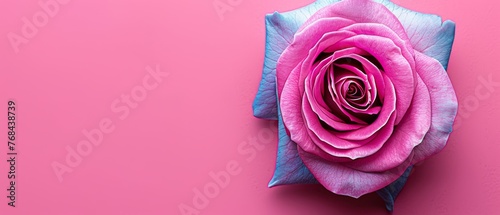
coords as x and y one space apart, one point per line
165 90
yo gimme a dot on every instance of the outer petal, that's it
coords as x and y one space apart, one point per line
427 32
280 29
389 193
343 180
289 167
443 103
296 55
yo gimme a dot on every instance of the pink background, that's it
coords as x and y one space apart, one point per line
66 77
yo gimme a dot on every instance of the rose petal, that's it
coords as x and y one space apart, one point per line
387 110
427 32
443 103
280 29
289 167
372 12
315 93
362 133
391 191
343 180
406 136
395 66
339 148
279 34
290 106
294 55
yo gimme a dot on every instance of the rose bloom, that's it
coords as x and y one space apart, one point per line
360 91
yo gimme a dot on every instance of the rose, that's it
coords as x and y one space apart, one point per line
361 93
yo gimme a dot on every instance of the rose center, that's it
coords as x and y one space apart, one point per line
349 91
354 90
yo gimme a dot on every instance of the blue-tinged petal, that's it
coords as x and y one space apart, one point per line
289 167
389 193
444 106
280 29
427 32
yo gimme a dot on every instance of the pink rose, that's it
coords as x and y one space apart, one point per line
360 91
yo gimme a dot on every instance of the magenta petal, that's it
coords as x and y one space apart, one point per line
304 41
332 100
388 109
372 71
290 106
314 125
341 148
315 95
380 30
343 180
327 40
395 66
427 32
361 143
319 106
360 11
360 82
406 136
291 109
443 102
